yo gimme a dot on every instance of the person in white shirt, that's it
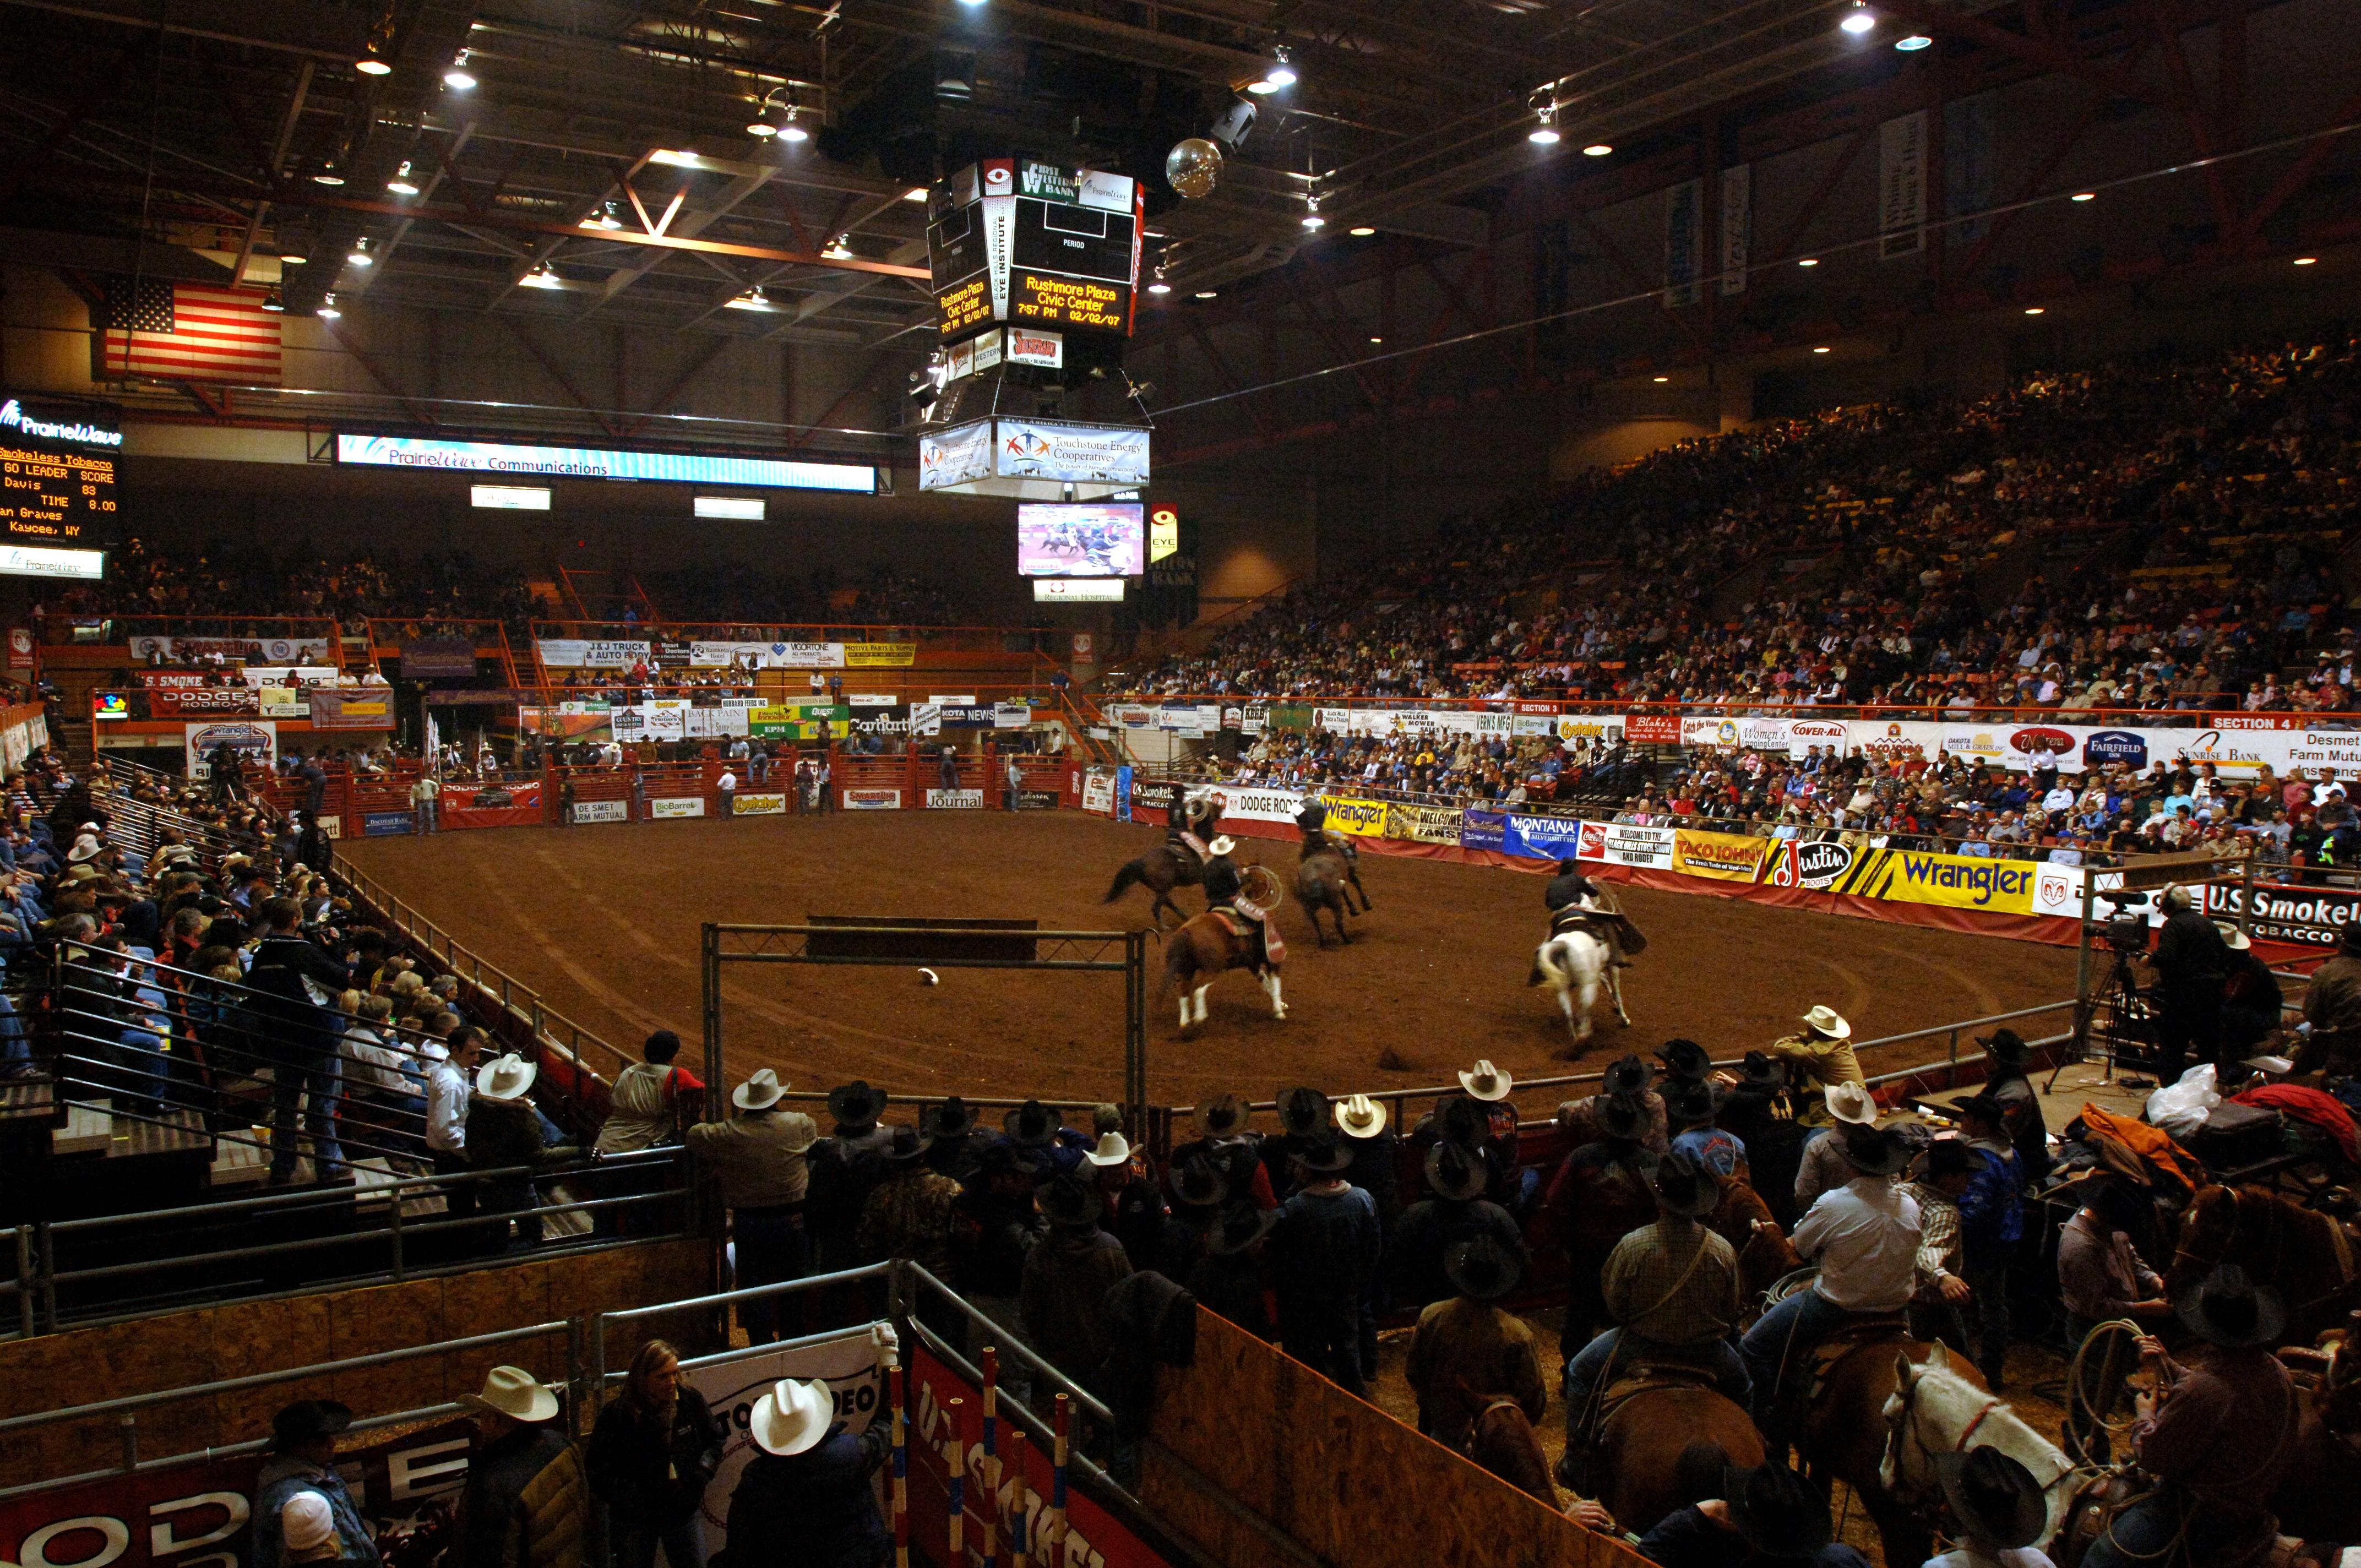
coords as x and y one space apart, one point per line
1866 1236
725 792
449 1085
2001 1509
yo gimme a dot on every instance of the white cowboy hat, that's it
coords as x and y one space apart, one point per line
2238 940
1485 1082
1827 1020
1113 1149
792 1417
1850 1102
1222 845
1360 1117
305 1521
506 1077
85 851
759 1092
513 1392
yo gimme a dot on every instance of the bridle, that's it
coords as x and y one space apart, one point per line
1904 1423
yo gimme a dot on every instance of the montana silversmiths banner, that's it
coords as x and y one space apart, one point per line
1554 838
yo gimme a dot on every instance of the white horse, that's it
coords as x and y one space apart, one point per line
1575 962
1935 1410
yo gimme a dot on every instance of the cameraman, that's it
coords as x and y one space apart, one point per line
2192 962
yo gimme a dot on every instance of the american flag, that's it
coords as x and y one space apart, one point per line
186 332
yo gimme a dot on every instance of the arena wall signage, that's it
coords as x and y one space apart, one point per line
387 824
871 798
491 805
363 707
1724 857
289 650
677 806
255 740
1483 830
602 811
433 658
1362 819
989 454
759 805
575 653
173 702
1423 824
57 488
587 463
1098 791
955 800
1614 843
849 1367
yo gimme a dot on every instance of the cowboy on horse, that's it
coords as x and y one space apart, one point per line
1573 899
1189 829
1225 894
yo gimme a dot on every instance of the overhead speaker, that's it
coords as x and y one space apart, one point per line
1235 124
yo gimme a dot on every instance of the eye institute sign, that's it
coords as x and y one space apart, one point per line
585 462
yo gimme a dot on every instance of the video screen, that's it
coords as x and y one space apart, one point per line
1090 539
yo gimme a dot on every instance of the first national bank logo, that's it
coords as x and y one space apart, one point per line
13 417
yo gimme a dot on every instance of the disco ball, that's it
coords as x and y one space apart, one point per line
1194 167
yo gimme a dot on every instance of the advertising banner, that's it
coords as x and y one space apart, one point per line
428 658
880 655
1250 805
352 707
847 1366
871 799
1038 800
1098 791
387 824
955 457
1557 838
1818 865
677 806
1954 881
256 741
216 702
575 653
602 811
952 799
1483 830
1652 728
505 459
491 805
1725 856
2314 917
1080 453
1578 728
283 702
1362 819
1620 844
759 805
1423 824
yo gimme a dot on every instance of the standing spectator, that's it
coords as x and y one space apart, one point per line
302 1035
2190 962
425 799
844 1167
315 787
950 769
1375 1171
525 1500
450 1084
1468 1349
759 1156
1454 1210
504 1131
1013 776
1819 1055
909 1214
1992 1224
725 792
301 1463
994 1226
2332 1010
809 1498
656 1447
1067 1274
1942 1289
1323 1253
2251 1003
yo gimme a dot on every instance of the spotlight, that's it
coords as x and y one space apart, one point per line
298 259
972 5
1597 150
1282 69
2307 261
2034 310
328 311
542 277
401 184
1158 285
1914 43
459 78
674 158
1209 294
791 131
603 219
1545 134
1662 378
1809 261
328 175
1858 20
2085 196
370 65
274 301
752 298
915 194
762 128
1375 338
1311 218
1820 350
839 248
359 256
1360 231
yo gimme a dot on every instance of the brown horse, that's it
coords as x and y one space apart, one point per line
1159 871
2306 1256
1503 1444
1765 1256
1844 1432
1636 1456
1199 951
1326 878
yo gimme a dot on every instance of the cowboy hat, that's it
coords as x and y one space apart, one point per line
1948 1156
1874 1152
855 1104
1065 1201
759 1092
1240 1226
1627 1076
1983 1107
513 1392
1454 1172
1113 1149
1197 1183
1825 1020
1483 1268
2229 1308
505 1077
1032 1125
1360 1117
1778 1512
1325 1155
1301 1110
1485 1082
950 1118
1222 845
1850 1102
2238 940
308 1420
1684 1186
906 1148
1995 1499
1220 1116
1683 1058
1619 1116
85 851
2005 1046
793 1416
1691 1101
305 1521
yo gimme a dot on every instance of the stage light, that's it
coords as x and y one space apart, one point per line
459 78
1375 338
1597 150
674 158
275 302
791 131
2307 260
328 311
1281 73
298 259
752 298
1661 377
401 184
1821 350
1914 43
603 219
1858 20
328 176
1360 231
1545 134
2084 196
839 248
1311 218
915 194
359 256
762 128
1158 285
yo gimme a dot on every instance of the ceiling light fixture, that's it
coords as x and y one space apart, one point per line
328 311
459 78
752 298
1914 43
839 248
1858 20
1158 285
1545 134
359 256
1809 261
2084 196
602 218
1281 73
1821 350
674 158
298 259
762 128
916 193
1597 150
1311 218
275 302
2307 260
1209 294
542 277
1360 231
2033 310
1375 338
370 65
1662 377
401 184
327 176
791 131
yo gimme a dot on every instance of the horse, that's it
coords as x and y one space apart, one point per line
1637 1449
1326 877
2306 1256
1503 1442
1202 948
1766 1255
1843 1438
1575 961
1934 1410
1159 871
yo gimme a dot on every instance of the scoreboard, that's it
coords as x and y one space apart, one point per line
58 474
1011 241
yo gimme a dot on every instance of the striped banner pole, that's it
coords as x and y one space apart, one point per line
900 1382
1017 1557
957 1410
1054 1533
992 1453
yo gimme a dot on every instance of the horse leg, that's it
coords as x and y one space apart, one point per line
1200 994
1615 995
1164 902
1355 873
1270 984
1589 997
1339 908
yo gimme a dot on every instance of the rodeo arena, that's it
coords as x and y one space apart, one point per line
1180 783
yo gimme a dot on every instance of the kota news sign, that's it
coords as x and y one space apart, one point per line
1034 244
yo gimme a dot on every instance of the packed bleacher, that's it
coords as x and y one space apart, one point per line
180 578
2159 535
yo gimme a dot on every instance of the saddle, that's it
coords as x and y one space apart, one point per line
1800 1388
1607 1402
2095 1503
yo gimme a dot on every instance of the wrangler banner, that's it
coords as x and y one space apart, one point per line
1955 882
1726 857
1363 818
1423 824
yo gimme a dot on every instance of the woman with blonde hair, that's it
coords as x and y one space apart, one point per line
655 1450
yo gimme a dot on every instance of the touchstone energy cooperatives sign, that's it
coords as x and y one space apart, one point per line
588 463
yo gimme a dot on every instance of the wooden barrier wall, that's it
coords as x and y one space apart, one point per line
1259 1461
83 1365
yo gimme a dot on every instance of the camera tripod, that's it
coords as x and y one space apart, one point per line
2121 1018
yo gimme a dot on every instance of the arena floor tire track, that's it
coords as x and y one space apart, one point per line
603 921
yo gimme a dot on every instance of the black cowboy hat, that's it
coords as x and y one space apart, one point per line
1685 1060
1240 1226
1483 1268
1983 1107
855 1104
1995 1499
308 1420
2230 1309
907 1148
951 1118
1220 1116
1032 1125
1758 1071
1685 1187
1873 1151
1620 1116
1302 1111
1197 1183
2005 1046
1948 1156
1066 1201
1002 1158
1464 1120
1456 1172
1778 1512
1628 1076
1691 1101
1325 1155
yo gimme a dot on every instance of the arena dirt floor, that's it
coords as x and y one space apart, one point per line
604 922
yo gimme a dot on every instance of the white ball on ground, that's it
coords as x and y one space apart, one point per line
928 976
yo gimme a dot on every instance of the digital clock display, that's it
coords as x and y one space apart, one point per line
58 474
1069 301
964 308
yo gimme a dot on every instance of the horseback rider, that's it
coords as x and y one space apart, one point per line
1312 821
1225 885
1572 899
1189 828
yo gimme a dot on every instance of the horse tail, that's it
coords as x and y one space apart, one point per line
1546 961
1134 871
